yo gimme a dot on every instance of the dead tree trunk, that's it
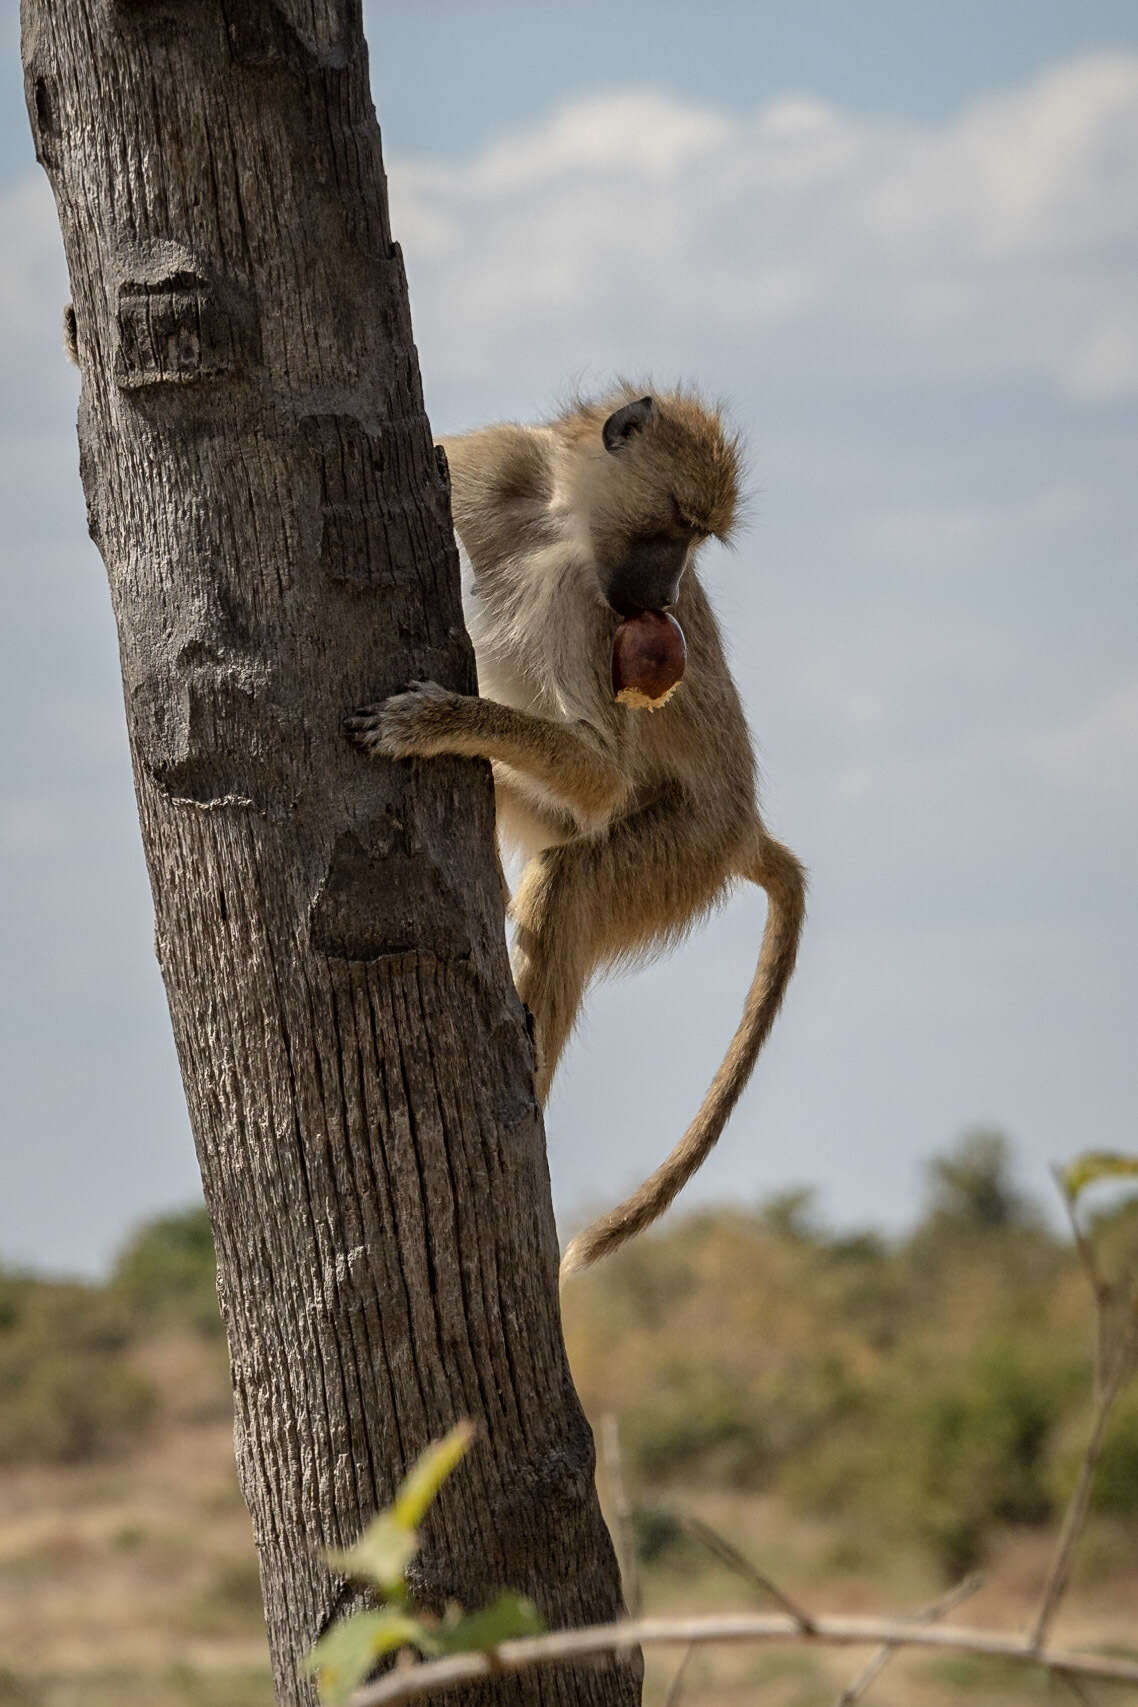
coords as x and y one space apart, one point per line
261 483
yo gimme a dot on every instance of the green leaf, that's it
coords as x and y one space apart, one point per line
1095 1165
426 1477
343 1657
509 1615
380 1556
390 1542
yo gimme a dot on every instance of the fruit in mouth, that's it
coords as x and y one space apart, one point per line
648 658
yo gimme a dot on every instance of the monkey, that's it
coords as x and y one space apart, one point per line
633 823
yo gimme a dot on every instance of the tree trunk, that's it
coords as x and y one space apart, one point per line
261 483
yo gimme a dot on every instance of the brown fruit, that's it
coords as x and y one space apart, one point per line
648 658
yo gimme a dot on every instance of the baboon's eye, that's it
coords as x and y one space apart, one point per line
684 524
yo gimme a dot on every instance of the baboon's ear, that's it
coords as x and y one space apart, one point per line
626 422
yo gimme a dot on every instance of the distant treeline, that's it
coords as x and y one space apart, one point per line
931 1388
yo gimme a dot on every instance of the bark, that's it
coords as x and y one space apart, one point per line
262 485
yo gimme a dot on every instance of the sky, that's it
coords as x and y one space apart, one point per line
900 240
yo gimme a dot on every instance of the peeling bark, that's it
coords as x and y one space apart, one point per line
275 524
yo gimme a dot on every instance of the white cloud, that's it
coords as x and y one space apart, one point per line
854 783
1098 752
798 242
1032 172
634 131
1105 368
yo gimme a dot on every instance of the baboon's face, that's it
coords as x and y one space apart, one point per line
644 569
641 539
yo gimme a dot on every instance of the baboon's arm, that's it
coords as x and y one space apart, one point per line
568 759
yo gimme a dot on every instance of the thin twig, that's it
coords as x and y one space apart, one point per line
930 1614
1086 1250
1100 1287
622 1512
1114 1379
675 1687
1115 1347
1078 1690
560 1646
721 1549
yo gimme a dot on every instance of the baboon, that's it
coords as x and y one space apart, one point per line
633 823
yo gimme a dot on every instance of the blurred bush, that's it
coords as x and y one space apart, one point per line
933 1390
1115 1489
166 1273
67 1387
973 1447
1116 1482
699 1422
971 1190
74 1383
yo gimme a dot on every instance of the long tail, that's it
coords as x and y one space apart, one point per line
775 869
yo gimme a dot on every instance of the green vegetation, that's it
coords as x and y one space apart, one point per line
934 1391
68 1390
346 1653
73 1381
165 1274
177 1686
859 1416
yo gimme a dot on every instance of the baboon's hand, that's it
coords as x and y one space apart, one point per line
408 725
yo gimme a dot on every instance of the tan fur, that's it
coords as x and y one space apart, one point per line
634 824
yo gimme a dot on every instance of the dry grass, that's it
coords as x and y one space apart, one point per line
813 1565
827 1405
134 1583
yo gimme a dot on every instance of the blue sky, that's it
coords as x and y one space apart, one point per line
448 77
492 66
902 241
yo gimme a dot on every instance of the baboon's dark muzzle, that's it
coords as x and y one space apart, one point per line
648 578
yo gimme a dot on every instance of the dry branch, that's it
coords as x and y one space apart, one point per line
623 1513
1116 1344
1076 1514
930 1614
720 1548
415 1683
676 1687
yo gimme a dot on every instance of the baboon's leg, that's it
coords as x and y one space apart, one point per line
551 953
593 901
